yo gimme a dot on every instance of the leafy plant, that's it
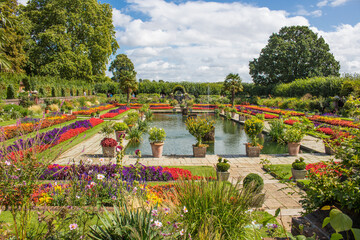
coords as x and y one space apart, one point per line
299 164
120 126
107 129
134 135
222 165
199 127
277 129
157 135
294 135
256 180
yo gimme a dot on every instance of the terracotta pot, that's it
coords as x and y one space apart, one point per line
199 151
233 114
108 151
252 151
329 151
157 149
241 118
298 174
294 148
118 133
70 112
222 176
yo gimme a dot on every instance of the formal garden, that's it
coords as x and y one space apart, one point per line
86 156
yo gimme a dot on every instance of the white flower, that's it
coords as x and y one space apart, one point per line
8 163
89 160
185 209
73 226
92 184
77 196
158 223
182 232
100 177
101 160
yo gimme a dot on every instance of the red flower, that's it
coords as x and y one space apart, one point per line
108 142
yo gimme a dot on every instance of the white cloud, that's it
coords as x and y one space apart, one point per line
332 3
344 42
197 41
303 12
119 19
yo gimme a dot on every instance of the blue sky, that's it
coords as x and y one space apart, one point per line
203 41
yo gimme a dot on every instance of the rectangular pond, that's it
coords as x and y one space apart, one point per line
230 137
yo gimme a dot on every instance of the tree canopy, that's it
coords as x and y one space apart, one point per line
295 52
233 85
70 39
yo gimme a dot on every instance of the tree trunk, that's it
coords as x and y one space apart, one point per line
232 98
128 98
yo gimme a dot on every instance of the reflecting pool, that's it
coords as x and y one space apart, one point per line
230 137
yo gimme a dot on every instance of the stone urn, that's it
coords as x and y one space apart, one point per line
157 149
222 176
199 151
108 151
298 174
118 133
252 151
294 148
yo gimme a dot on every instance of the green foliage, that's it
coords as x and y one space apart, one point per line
296 52
254 179
340 222
134 135
10 92
214 207
107 130
199 127
293 135
120 126
253 127
233 85
157 135
125 223
277 129
222 165
70 39
299 164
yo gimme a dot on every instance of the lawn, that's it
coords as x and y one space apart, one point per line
283 172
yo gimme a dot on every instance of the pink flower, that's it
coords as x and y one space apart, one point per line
73 226
138 152
119 148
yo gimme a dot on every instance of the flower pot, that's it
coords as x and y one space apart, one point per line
108 151
184 111
118 133
222 176
233 114
329 151
294 149
199 151
157 149
298 174
252 151
70 112
241 118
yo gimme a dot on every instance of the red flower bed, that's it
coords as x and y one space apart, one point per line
291 121
322 168
94 110
95 121
71 133
178 173
334 121
327 131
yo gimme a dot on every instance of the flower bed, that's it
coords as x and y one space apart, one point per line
204 107
271 110
53 137
115 112
334 121
24 128
94 110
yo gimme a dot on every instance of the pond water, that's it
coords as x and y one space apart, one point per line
229 137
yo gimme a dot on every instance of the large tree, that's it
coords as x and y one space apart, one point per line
295 52
233 85
12 37
70 39
123 71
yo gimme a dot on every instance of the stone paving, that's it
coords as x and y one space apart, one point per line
277 194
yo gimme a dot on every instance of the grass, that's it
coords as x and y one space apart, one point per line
281 171
64 146
11 122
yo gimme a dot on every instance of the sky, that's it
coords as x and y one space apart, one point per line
203 41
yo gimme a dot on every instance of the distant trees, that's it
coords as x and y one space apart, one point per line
70 39
233 85
124 73
295 52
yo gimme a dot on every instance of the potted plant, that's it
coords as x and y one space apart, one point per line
144 108
97 113
293 137
108 144
157 137
221 108
199 127
253 127
120 128
222 168
233 112
184 110
189 104
131 119
298 169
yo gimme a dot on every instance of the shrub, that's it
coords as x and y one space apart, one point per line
256 180
199 127
294 135
10 92
277 129
120 126
222 165
157 135
36 109
54 107
299 164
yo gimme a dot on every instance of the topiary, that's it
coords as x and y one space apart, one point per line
299 164
222 165
257 181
